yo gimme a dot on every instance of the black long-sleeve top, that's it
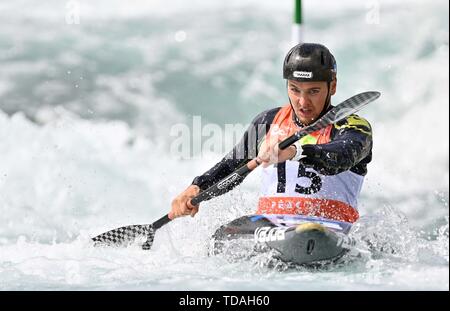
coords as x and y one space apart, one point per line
350 148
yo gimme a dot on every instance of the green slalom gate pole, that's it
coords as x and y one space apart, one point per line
297 25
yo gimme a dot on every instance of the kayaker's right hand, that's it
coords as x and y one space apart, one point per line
270 153
181 205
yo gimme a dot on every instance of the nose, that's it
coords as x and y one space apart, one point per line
303 98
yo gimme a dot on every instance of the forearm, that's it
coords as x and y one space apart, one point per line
339 155
242 153
219 171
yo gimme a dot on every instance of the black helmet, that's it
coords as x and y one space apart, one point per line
308 62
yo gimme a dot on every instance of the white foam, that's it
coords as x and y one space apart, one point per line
68 179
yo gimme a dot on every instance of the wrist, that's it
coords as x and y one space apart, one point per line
298 151
195 185
193 189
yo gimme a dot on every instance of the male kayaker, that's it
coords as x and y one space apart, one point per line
320 175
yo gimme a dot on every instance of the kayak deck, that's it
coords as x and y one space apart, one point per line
312 241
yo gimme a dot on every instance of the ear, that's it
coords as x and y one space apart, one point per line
333 87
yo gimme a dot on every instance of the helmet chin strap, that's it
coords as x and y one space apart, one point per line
324 110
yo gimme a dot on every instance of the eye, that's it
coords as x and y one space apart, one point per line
314 92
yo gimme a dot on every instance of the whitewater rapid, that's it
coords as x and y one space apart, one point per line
86 113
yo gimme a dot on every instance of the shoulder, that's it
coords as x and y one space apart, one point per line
355 122
266 117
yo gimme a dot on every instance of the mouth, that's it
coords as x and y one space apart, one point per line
305 112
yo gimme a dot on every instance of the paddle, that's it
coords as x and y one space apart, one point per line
127 234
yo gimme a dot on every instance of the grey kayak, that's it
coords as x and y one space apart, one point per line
304 241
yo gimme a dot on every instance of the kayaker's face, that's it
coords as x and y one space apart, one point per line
309 98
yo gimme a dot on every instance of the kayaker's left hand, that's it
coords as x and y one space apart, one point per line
270 153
